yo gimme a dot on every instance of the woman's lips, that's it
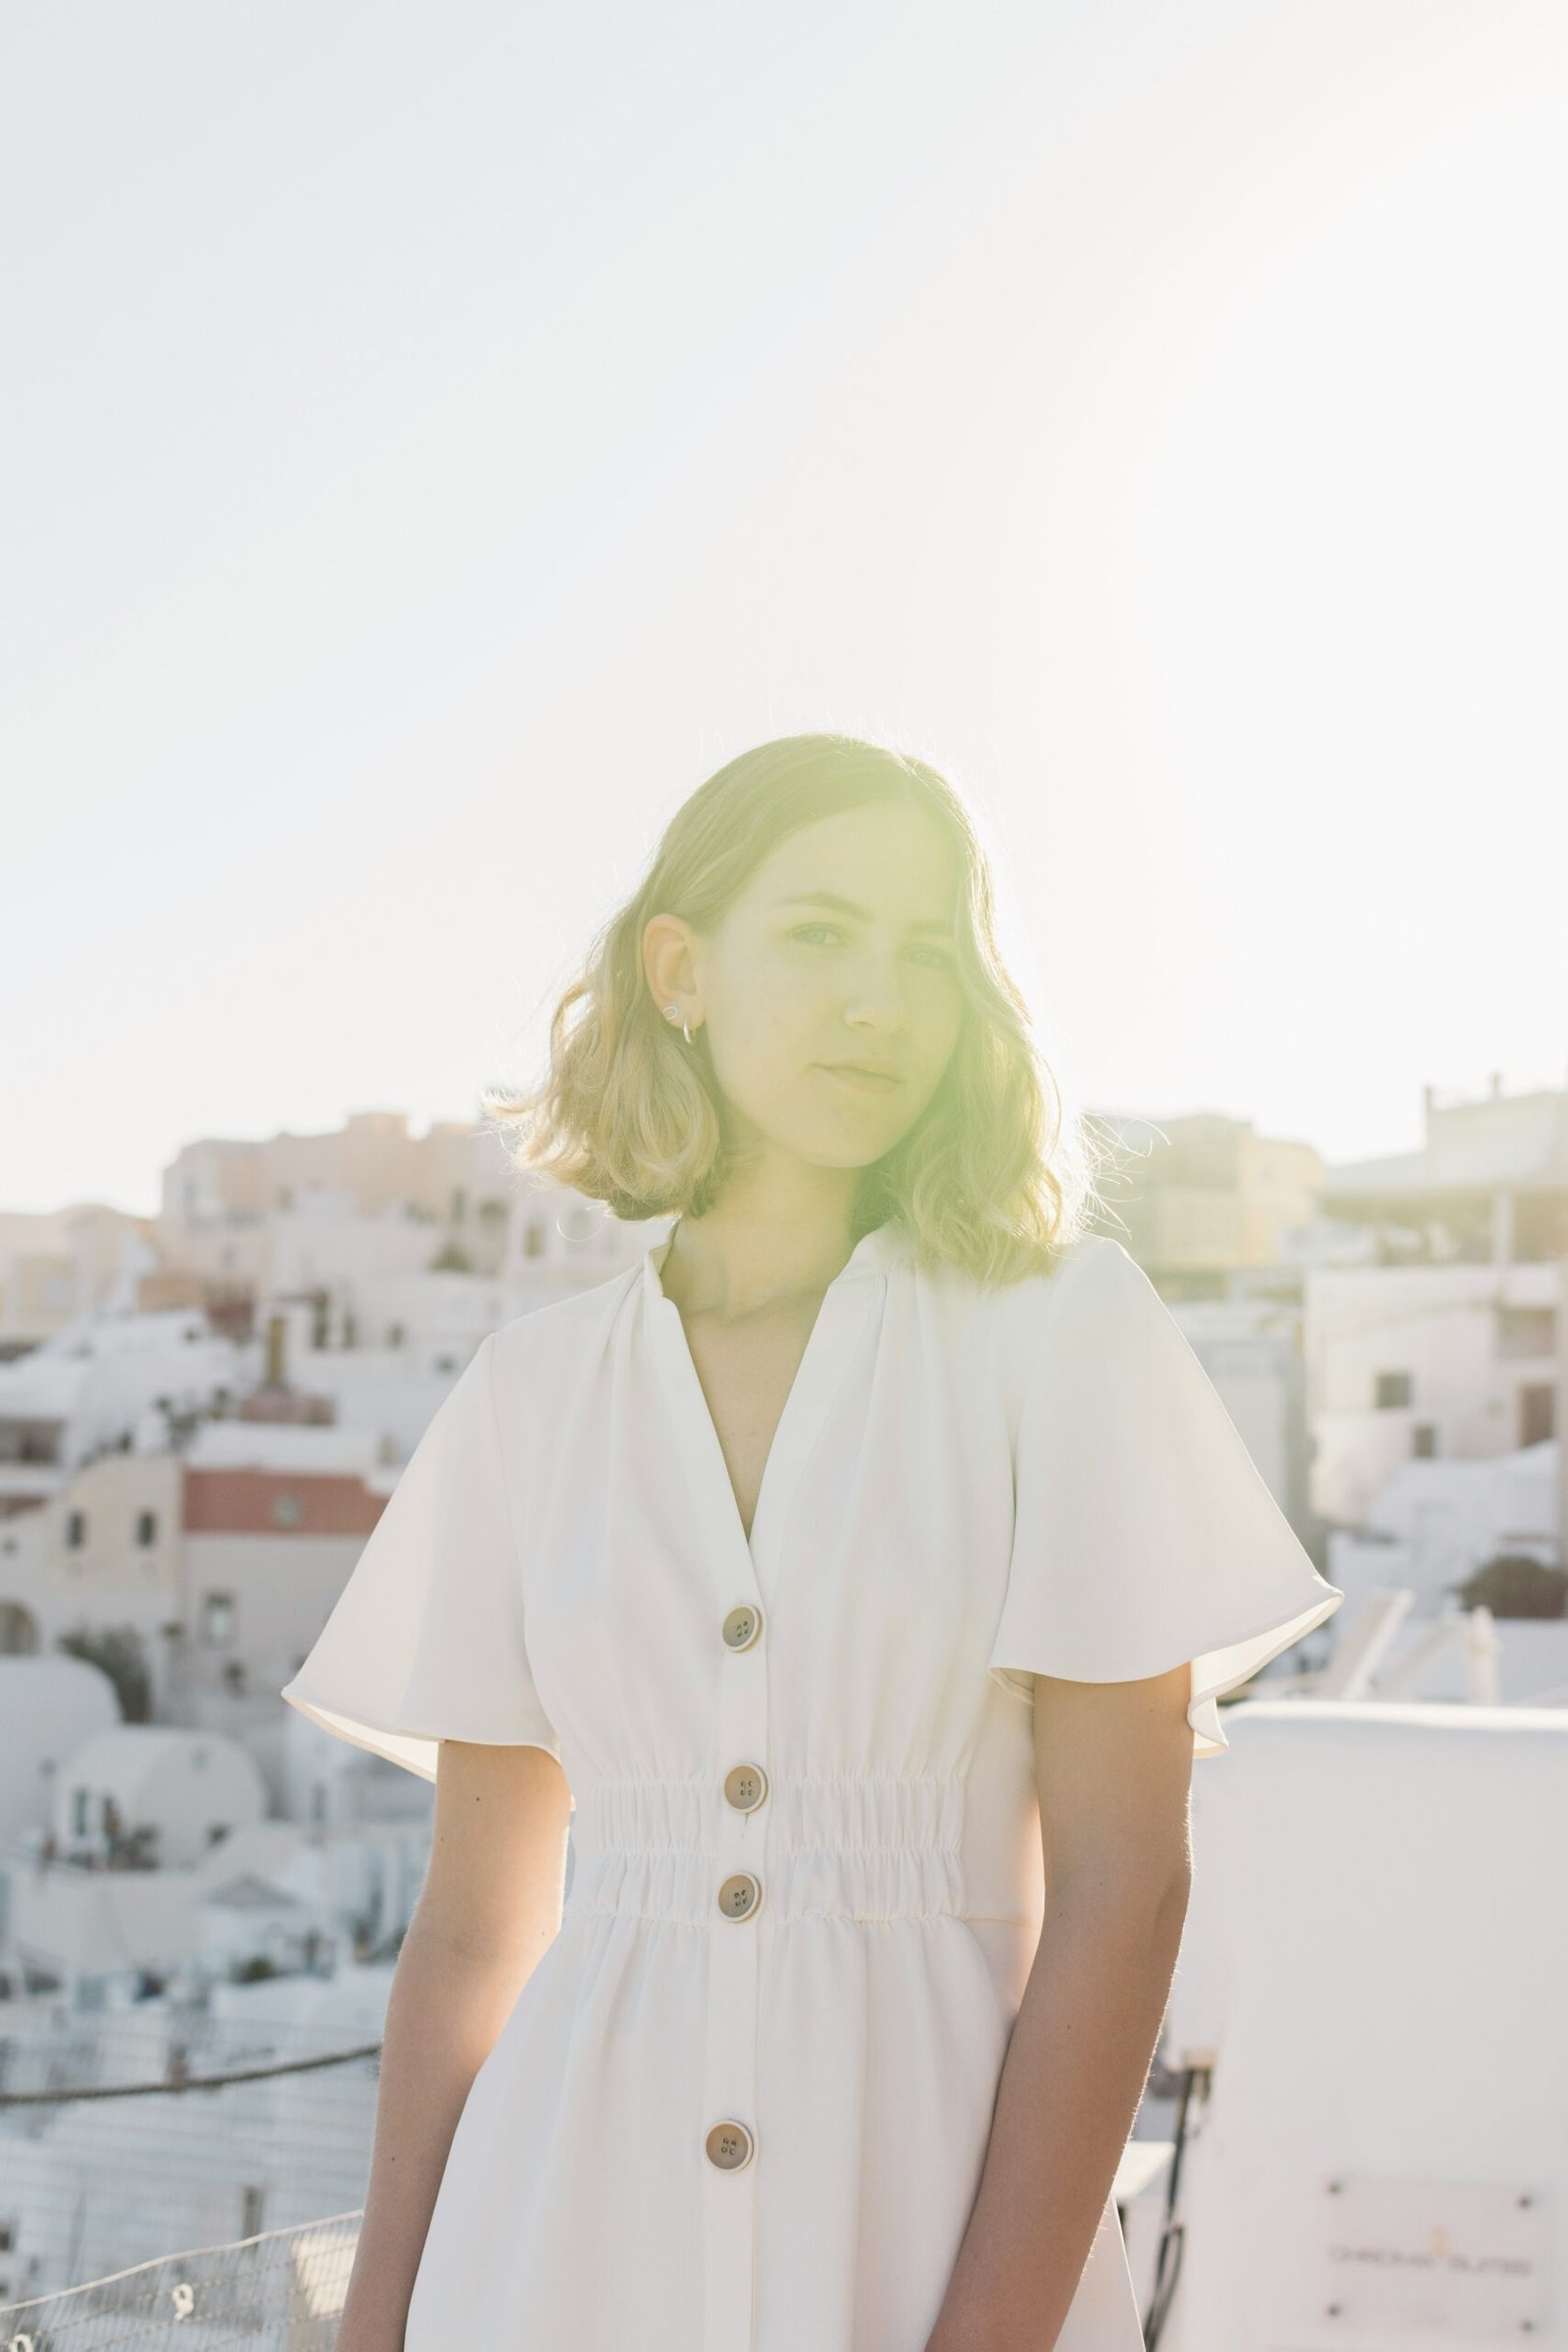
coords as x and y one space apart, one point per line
862 1082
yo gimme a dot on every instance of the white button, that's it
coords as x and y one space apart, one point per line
740 1895
730 2145
741 1627
744 1787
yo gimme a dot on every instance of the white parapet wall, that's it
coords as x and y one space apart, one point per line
1374 1960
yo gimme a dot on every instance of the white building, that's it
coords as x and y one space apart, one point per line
1434 1523
1453 1362
58 1266
391 1239
180 1793
1454 1345
160 1862
274 1516
1430 1529
105 1384
51 1708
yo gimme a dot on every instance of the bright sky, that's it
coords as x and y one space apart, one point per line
436 438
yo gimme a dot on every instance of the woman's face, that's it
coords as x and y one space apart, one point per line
840 949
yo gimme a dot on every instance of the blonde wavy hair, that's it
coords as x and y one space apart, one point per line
994 1177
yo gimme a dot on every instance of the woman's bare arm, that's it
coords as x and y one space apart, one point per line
1114 1763
489 1908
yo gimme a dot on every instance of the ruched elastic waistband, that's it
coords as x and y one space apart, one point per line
851 1848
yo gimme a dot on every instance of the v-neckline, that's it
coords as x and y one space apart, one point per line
839 1322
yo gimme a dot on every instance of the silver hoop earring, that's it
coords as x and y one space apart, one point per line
672 1012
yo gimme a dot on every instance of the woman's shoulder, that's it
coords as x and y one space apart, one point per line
1085 1262
541 1343
1091 1297
992 1328
1092 1281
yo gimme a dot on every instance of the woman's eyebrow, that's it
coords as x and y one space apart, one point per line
842 905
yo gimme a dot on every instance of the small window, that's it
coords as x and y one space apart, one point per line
1424 1440
146 1528
218 1618
288 1510
1393 1391
75 1530
1537 1412
1529 1331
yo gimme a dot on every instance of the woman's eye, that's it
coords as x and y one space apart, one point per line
813 933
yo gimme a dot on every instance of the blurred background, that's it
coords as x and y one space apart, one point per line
435 440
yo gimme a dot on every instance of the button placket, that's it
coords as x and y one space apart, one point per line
745 1567
732 2144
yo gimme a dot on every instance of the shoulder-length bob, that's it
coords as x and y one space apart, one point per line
995 1176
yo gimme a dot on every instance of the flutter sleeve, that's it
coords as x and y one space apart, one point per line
426 1640
1144 1533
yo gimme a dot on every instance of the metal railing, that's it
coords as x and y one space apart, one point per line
119 2138
281 2291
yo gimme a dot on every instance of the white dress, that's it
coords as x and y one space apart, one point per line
742 2102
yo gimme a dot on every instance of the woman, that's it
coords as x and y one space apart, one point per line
865 1559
